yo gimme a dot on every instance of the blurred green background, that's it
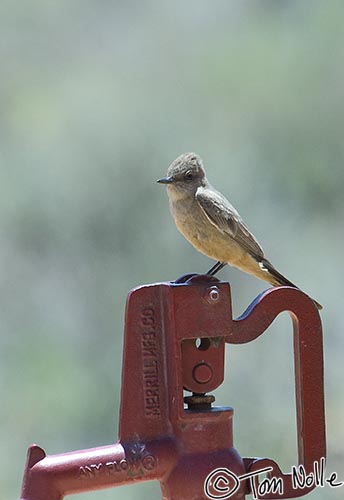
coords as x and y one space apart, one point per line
96 99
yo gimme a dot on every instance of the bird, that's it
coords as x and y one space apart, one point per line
212 225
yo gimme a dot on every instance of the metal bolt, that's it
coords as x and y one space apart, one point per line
213 294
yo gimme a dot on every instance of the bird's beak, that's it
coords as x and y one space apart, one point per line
165 180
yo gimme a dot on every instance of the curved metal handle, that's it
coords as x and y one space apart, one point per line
309 378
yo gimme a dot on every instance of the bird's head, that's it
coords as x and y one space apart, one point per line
185 174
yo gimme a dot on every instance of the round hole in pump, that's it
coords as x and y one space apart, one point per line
202 344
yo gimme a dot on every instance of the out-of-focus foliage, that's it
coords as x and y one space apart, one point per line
96 99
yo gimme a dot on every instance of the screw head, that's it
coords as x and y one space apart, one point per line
213 294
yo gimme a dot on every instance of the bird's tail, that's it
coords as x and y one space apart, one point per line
277 278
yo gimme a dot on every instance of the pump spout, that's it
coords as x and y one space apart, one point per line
52 477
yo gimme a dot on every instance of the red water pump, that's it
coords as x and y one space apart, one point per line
174 341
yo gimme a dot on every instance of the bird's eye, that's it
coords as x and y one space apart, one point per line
189 176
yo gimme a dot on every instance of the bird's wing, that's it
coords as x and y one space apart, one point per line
224 216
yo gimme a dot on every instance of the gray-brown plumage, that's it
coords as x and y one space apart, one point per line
211 224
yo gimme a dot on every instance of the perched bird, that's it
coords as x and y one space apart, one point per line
212 225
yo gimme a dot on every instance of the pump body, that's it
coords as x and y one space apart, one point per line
174 340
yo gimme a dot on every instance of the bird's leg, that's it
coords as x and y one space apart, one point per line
216 268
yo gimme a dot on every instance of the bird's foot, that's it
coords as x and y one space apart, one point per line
216 268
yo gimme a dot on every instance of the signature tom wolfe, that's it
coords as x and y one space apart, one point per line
222 484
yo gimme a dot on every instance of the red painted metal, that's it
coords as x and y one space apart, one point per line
174 339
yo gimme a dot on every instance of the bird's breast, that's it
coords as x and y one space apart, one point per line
189 219
195 226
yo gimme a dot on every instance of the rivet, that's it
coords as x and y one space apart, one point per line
202 373
213 294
